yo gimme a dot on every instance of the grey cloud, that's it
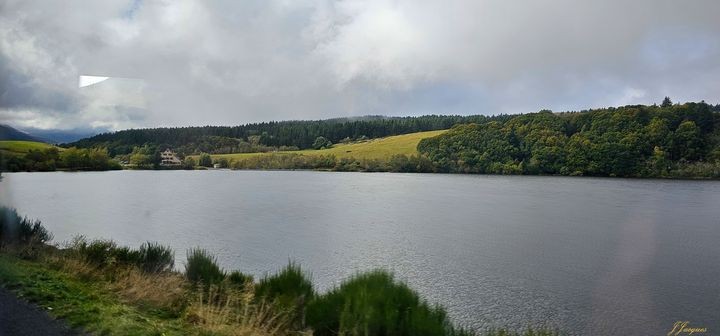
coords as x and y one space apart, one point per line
18 91
229 62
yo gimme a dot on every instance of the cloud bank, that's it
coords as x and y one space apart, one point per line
196 62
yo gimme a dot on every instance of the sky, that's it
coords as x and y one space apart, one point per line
195 62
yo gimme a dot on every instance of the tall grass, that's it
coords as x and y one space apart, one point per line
150 257
238 313
166 290
202 268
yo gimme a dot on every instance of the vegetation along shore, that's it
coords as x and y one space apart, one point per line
665 141
104 288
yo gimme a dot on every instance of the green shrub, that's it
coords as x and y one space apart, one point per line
150 258
289 290
239 279
321 142
156 258
18 230
205 160
126 256
375 304
201 267
101 253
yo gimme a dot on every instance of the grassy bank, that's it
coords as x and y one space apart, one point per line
82 301
109 289
391 154
373 149
23 147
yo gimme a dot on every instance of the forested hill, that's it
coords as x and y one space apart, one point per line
681 140
250 137
670 140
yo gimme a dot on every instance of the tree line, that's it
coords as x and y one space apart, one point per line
680 140
270 136
51 159
675 141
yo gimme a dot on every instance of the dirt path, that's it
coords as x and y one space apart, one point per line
20 318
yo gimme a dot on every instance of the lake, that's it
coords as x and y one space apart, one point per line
588 255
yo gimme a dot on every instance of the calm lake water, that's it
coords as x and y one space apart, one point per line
590 256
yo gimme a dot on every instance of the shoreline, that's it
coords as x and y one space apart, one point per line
385 172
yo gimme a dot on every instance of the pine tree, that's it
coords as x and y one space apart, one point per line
666 102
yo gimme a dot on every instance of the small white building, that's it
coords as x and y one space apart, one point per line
168 158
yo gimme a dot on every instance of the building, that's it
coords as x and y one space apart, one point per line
168 158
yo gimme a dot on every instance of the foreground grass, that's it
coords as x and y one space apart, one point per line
22 147
90 305
380 149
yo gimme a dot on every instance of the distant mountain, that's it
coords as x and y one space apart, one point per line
9 133
56 136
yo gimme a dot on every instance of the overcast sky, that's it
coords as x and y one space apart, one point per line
179 63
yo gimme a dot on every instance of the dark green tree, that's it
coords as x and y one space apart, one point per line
666 102
687 142
321 142
205 160
189 163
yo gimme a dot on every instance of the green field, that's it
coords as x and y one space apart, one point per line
21 147
382 148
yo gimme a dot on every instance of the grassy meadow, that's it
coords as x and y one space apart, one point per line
22 147
373 149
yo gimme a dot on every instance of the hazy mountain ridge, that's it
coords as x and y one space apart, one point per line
58 136
10 133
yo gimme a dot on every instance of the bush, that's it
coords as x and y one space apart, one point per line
156 258
189 163
101 253
205 160
239 279
289 290
201 267
18 230
127 256
321 143
150 258
375 304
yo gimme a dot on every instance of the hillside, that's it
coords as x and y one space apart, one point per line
269 136
60 136
9 133
381 149
681 140
22 147
669 141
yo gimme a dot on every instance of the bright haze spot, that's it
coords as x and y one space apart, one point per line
90 80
